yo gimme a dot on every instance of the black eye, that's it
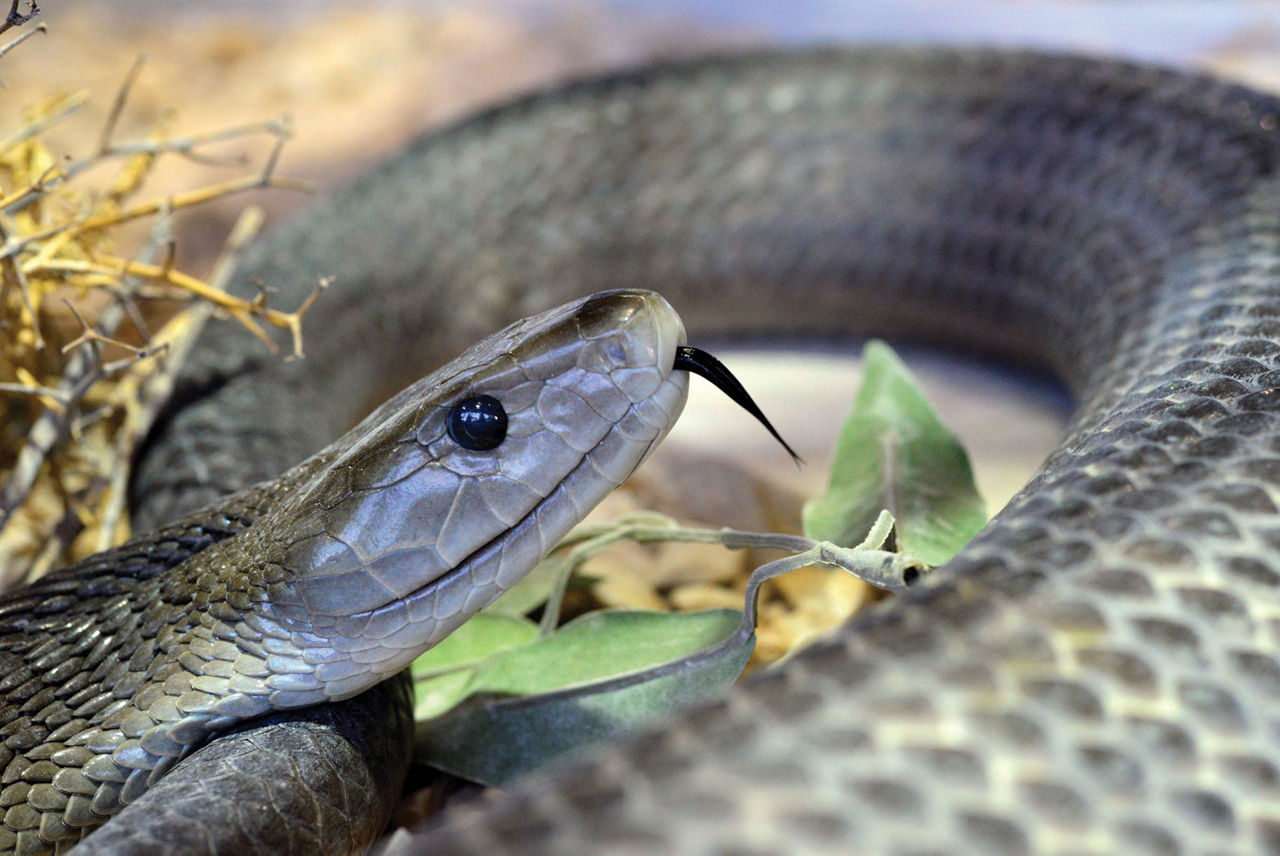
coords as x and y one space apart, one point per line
478 423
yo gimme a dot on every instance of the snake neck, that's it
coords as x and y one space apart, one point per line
122 664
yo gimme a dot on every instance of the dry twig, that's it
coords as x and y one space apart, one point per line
39 28
17 17
55 240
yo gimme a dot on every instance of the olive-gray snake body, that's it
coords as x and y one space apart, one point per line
1098 671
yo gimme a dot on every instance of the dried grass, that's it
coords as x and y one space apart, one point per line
82 371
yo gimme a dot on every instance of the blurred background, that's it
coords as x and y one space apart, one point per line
359 80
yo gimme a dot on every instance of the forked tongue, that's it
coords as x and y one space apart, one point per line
699 362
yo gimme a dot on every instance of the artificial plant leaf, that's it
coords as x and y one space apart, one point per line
483 635
600 675
530 593
894 453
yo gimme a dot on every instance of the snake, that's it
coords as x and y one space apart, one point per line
1097 671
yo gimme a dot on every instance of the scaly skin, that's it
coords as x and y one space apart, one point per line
1099 670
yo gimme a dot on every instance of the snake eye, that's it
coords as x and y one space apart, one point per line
478 423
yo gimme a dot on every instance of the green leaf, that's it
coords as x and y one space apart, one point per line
602 674
894 453
528 594
483 635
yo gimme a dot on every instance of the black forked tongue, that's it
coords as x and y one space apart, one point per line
699 362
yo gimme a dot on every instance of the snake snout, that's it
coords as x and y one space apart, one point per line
629 335
652 327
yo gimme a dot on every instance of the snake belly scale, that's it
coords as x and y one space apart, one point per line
1098 671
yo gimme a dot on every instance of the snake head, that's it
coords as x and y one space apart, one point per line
448 494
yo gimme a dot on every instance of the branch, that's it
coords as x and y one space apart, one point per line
83 369
4 49
143 400
117 103
13 277
16 18
264 179
65 107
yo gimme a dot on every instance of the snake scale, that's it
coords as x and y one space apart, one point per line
1098 671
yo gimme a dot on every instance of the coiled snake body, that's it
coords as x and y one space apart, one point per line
1098 671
